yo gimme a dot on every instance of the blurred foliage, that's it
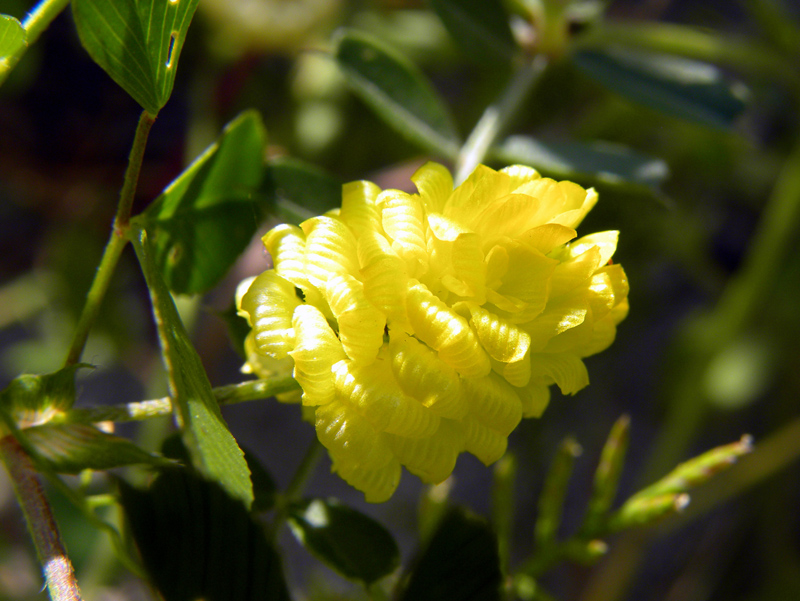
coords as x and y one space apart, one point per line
683 114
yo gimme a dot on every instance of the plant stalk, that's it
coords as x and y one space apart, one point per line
58 572
116 242
497 116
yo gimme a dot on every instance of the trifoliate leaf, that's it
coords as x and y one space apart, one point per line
12 43
205 218
480 27
137 42
347 541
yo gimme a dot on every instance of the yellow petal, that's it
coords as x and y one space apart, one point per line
545 238
503 340
605 242
493 402
527 279
433 458
518 373
535 398
469 199
435 184
350 438
564 369
384 276
423 375
378 484
519 175
361 325
373 390
403 220
575 271
330 250
270 302
359 207
442 329
483 442
317 350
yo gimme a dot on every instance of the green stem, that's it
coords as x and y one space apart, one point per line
304 471
296 487
135 158
58 573
34 24
40 18
225 395
497 117
116 242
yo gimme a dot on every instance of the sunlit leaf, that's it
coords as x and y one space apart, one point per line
71 448
460 563
212 448
682 87
480 27
351 543
137 42
12 41
397 91
197 542
588 164
205 218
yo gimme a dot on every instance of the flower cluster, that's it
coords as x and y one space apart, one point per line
420 326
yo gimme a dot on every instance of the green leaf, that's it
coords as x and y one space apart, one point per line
213 449
12 42
480 27
398 92
137 42
347 541
301 190
197 542
597 164
71 448
206 217
32 398
688 89
460 563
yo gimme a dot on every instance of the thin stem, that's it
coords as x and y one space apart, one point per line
135 158
40 18
304 471
58 573
116 242
296 487
496 117
94 297
225 395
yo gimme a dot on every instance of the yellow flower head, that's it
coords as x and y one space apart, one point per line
424 325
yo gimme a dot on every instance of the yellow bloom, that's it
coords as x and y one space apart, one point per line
420 326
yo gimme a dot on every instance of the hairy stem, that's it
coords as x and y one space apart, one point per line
58 573
40 18
225 395
116 243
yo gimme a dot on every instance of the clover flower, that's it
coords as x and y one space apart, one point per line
423 325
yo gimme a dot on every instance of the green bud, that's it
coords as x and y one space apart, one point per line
643 511
31 400
606 478
551 502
